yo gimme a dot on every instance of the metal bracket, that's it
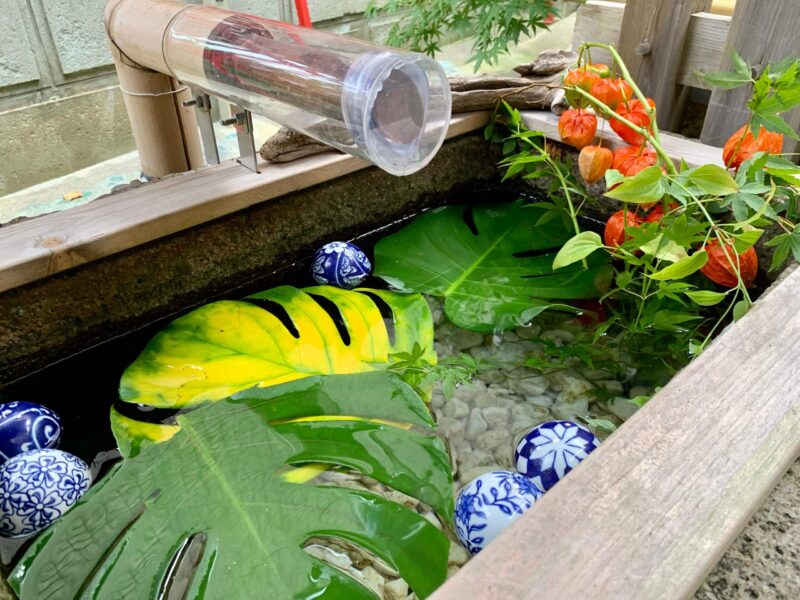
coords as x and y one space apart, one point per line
243 121
202 104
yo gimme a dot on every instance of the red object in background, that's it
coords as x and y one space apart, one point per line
594 312
303 16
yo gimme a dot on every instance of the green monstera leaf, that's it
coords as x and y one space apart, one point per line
210 513
266 339
493 264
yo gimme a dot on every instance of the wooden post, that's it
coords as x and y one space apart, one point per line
150 101
165 132
652 44
762 31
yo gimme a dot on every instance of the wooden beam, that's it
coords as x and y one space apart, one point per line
677 147
654 508
598 21
704 48
601 21
762 31
652 43
34 249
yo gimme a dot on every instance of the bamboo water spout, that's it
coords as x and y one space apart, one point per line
388 107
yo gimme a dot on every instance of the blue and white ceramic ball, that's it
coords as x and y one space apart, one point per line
38 487
341 264
551 450
26 426
490 503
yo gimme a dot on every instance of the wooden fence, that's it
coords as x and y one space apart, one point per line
666 42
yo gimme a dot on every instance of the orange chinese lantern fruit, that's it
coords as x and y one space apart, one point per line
582 79
629 160
611 92
720 270
614 233
741 146
598 69
635 112
593 162
577 127
655 215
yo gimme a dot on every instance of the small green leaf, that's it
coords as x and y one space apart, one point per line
774 122
706 298
624 279
682 268
577 248
639 401
743 241
713 180
613 177
669 320
740 309
739 64
664 249
644 187
724 80
599 423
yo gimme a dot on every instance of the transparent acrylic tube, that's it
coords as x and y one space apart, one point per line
391 108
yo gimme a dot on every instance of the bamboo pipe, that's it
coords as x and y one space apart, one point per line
165 133
389 107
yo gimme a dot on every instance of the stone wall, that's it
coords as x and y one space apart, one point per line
60 106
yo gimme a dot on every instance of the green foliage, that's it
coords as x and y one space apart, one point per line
423 24
492 264
452 371
223 480
775 91
662 310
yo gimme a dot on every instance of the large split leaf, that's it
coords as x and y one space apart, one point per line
267 339
492 264
210 513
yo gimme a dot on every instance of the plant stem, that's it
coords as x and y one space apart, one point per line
670 166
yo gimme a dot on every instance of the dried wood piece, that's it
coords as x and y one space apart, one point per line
536 97
288 145
548 62
486 81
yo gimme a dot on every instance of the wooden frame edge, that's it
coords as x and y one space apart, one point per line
656 506
42 246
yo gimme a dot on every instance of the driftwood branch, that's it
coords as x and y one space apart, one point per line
537 87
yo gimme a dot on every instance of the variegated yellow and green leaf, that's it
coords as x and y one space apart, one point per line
270 338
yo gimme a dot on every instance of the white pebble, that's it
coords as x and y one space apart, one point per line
477 424
495 416
395 590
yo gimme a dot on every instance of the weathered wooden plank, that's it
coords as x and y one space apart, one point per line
762 31
652 510
677 147
40 247
704 49
598 21
652 43
601 21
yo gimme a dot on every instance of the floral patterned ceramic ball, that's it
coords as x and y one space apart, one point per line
551 450
26 426
37 487
490 503
341 264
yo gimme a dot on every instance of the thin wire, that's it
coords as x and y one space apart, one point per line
124 91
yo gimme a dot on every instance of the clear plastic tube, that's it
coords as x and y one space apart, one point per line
391 108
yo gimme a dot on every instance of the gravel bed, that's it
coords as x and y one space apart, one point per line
481 423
